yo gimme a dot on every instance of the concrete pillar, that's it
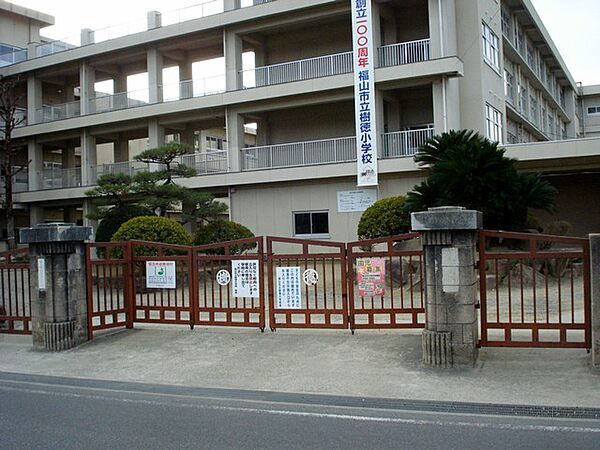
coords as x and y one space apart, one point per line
156 134
232 48
154 20
87 82
376 14
120 82
121 149
442 28
155 72
449 235
68 157
88 207
36 157
230 5
235 139
186 85
187 138
88 158
58 285
87 37
595 281
446 105
571 110
36 215
380 120
34 98
32 49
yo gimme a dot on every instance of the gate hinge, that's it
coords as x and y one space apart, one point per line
477 305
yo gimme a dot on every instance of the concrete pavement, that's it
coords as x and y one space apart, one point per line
371 364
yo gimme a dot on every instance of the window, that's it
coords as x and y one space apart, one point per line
311 223
593 110
214 143
493 121
509 86
490 47
533 106
506 23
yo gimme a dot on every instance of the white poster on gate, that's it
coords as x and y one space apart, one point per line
364 93
245 278
289 294
161 275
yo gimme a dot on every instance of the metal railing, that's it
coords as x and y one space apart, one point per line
49 113
126 167
59 178
20 181
304 69
198 11
193 88
300 153
405 143
120 100
404 53
216 161
20 119
13 57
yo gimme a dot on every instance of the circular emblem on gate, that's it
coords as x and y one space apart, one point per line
310 277
223 277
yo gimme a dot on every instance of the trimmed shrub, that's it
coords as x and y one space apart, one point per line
385 217
153 229
115 217
223 231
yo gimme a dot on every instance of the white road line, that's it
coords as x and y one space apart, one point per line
279 412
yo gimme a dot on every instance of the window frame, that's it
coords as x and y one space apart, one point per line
491 47
494 124
312 234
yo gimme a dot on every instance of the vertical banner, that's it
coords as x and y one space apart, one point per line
364 92
289 295
370 275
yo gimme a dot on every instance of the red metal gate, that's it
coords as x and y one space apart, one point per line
216 304
15 303
534 290
323 284
402 303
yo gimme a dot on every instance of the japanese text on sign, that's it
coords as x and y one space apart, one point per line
245 278
364 92
161 275
370 277
289 295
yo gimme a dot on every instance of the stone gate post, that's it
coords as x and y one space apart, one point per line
449 236
58 284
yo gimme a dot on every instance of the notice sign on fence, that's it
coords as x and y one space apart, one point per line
245 279
161 275
370 275
289 295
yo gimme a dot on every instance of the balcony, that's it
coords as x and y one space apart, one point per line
20 180
325 151
336 64
50 113
59 178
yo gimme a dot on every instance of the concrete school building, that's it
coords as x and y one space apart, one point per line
263 93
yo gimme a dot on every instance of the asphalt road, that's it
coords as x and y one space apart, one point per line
63 413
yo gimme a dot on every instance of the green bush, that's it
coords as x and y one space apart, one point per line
115 217
153 229
385 217
222 231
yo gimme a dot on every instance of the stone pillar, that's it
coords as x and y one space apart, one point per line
235 139
156 134
595 280
230 5
442 28
449 236
58 285
121 148
34 98
187 138
186 84
154 19
155 72
232 48
87 37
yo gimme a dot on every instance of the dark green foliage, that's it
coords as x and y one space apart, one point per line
468 170
223 231
115 217
112 189
152 229
385 217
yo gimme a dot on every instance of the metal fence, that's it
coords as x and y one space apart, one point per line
534 290
404 53
405 143
49 113
15 294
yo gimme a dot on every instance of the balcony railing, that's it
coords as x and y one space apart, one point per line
120 100
300 153
193 88
20 181
405 53
305 69
49 113
405 143
126 167
214 161
59 178
14 56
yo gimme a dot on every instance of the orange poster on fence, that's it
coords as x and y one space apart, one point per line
370 274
